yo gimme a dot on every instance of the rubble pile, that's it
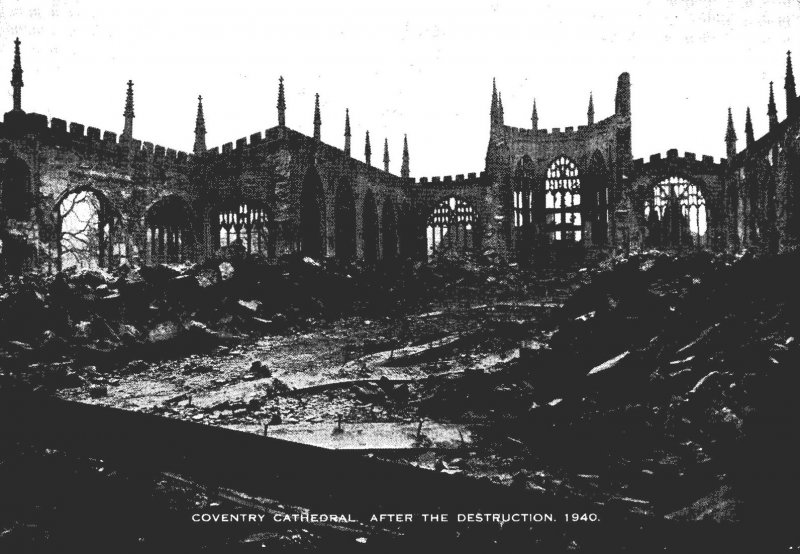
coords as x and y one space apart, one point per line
667 389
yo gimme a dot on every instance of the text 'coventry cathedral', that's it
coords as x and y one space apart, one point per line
72 195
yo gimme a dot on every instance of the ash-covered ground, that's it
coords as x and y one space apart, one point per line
659 388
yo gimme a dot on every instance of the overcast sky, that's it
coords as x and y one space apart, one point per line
419 67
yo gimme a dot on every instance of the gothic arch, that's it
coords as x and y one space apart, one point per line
369 228
389 230
595 198
169 231
406 231
345 221
88 230
451 227
676 212
312 215
15 177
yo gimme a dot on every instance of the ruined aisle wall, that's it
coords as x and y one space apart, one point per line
66 157
273 168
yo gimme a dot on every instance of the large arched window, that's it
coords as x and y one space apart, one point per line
88 231
676 213
451 226
246 222
563 200
169 231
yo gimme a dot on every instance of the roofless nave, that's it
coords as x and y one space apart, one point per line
73 195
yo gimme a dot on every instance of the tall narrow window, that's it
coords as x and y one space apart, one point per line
563 201
521 211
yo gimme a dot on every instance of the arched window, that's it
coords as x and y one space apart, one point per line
247 223
169 231
369 228
563 200
676 213
451 226
88 231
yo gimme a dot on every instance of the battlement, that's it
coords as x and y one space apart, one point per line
673 159
557 133
450 180
60 131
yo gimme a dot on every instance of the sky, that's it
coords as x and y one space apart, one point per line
421 67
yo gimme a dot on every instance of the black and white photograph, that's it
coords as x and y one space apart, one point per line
399 276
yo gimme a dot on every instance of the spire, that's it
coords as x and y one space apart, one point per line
494 111
404 171
590 112
500 111
386 155
281 103
772 111
200 129
730 137
789 85
748 129
16 78
127 131
535 117
367 150
347 132
317 119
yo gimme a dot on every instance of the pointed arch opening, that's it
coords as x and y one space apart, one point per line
451 227
596 199
345 231
563 201
675 211
389 231
169 231
15 176
312 212
369 228
406 231
88 231
246 223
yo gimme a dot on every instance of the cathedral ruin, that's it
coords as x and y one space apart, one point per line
72 195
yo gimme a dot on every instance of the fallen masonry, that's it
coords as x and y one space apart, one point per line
655 392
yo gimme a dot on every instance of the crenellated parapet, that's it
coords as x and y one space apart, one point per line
688 163
79 137
471 179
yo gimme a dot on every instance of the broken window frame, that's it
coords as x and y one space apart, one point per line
563 217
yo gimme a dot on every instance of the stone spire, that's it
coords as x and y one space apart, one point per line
500 110
200 129
789 85
590 111
748 129
127 131
493 110
404 169
317 119
386 155
347 132
16 78
772 110
534 117
281 103
730 137
367 150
